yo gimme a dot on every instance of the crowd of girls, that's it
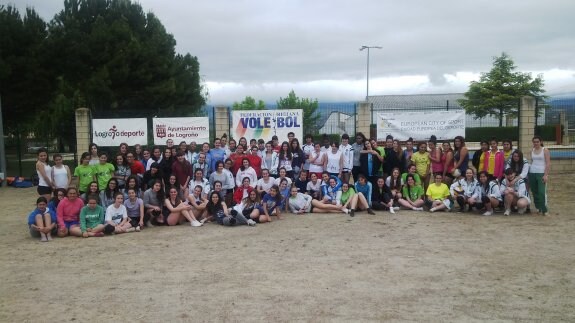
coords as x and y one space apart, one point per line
244 184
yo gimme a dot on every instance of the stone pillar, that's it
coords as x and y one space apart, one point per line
526 123
363 118
82 130
565 125
222 122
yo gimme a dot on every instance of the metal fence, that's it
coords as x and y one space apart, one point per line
554 109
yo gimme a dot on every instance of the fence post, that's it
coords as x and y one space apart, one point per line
82 130
526 123
222 124
363 117
564 124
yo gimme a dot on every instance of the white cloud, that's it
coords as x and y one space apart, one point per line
266 48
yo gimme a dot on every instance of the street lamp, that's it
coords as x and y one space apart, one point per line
368 48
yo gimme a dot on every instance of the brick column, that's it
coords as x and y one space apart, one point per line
222 124
82 130
526 123
363 118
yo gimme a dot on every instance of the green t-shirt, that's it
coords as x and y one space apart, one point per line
414 193
90 218
346 195
85 176
382 153
415 176
103 174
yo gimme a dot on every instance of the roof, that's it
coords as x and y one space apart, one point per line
416 101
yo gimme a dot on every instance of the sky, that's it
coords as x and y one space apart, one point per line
265 49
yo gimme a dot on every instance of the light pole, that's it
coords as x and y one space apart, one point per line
368 48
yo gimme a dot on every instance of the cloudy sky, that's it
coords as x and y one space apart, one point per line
266 48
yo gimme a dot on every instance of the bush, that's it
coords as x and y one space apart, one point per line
547 132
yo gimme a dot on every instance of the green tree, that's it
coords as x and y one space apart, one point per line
26 84
249 103
497 93
119 58
309 107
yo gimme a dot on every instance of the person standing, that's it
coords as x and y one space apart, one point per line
539 174
357 147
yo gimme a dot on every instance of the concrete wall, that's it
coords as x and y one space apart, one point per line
559 166
363 118
222 124
526 123
82 130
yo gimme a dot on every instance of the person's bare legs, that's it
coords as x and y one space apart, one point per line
41 227
437 206
75 231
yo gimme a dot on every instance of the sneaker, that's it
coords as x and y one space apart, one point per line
138 229
521 210
196 223
43 237
251 223
130 229
488 213
507 212
352 213
370 211
49 236
345 210
149 224
391 210
432 210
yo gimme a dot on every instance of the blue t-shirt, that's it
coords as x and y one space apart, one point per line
271 202
216 154
32 216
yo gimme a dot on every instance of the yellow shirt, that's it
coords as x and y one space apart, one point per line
421 162
491 164
440 192
481 161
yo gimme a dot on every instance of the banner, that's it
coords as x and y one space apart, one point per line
256 124
181 129
113 132
421 125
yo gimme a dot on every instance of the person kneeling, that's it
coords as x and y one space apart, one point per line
514 193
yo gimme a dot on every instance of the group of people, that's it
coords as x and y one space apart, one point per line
240 183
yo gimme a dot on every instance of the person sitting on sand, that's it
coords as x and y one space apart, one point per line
42 221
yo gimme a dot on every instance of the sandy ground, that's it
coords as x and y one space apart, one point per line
404 267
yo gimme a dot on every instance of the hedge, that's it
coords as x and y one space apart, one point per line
512 133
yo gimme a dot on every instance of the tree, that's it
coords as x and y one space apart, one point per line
26 84
497 93
249 103
120 58
309 107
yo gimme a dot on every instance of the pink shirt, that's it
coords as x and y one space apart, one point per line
69 211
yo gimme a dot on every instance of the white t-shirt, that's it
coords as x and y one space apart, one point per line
347 152
333 162
312 166
265 186
116 214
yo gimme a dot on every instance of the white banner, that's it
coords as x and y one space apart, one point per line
256 124
421 125
113 132
181 129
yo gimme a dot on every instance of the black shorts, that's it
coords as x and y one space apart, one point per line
43 190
